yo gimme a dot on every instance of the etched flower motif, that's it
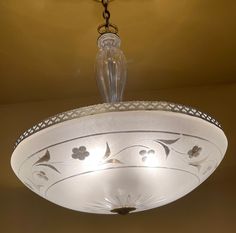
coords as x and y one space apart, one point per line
80 153
194 152
145 153
42 175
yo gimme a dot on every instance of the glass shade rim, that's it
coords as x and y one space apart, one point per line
117 107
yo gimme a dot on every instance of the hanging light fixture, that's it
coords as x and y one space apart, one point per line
118 157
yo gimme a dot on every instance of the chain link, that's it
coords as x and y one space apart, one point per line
106 14
107 26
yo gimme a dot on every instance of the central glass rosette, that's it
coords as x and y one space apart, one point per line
118 158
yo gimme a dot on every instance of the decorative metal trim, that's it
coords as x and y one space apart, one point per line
116 107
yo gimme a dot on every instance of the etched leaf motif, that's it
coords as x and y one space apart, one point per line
198 164
48 165
42 175
108 152
114 161
169 142
45 158
166 148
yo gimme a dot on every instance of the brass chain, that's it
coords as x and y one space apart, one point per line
107 27
106 14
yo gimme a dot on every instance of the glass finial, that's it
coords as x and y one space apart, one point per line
111 68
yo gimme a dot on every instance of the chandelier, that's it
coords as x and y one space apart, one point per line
118 157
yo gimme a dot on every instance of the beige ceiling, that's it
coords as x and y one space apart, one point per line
48 47
178 50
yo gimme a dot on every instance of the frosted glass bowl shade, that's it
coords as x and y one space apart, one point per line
119 158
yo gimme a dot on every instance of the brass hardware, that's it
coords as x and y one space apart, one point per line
106 27
123 210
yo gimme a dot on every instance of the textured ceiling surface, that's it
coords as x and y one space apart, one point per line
178 50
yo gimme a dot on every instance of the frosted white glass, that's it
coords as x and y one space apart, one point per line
119 158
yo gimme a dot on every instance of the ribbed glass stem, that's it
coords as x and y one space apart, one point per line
110 68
